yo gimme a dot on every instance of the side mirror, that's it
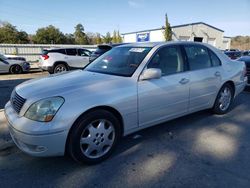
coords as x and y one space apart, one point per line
151 73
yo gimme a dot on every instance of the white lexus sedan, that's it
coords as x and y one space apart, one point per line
84 113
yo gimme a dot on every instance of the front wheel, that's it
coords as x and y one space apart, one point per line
94 137
224 100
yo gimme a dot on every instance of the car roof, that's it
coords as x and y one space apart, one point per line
65 48
153 44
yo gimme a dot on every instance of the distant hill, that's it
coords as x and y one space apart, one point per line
241 42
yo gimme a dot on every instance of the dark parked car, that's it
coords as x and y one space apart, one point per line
246 59
246 53
234 54
103 48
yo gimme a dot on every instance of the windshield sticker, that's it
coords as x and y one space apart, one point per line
138 50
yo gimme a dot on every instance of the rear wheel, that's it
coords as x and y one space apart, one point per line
94 137
15 69
60 68
224 100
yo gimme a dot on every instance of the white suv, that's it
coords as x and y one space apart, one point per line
64 59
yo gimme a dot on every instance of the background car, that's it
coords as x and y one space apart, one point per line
233 54
101 49
64 59
84 113
246 53
246 59
13 66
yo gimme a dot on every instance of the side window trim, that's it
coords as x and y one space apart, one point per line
184 58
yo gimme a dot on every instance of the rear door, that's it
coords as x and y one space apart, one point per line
166 97
205 76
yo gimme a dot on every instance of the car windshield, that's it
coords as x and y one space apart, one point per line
121 61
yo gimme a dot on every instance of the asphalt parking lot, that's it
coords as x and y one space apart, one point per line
199 150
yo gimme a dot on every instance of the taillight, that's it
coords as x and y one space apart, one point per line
45 57
245 72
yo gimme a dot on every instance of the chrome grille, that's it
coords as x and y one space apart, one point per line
17 102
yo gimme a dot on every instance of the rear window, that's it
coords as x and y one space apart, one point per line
100 51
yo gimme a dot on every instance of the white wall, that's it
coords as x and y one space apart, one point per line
187 33
32 51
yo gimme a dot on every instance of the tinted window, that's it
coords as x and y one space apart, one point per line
71 51
168 59
198 57
100 51
82 52
215 60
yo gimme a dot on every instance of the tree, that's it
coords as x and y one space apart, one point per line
98 39
9 34
107 39
119 38
69 38
80 36
49 35
114 38
23 37
167 30
91 38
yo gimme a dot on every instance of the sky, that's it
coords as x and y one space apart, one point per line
126 15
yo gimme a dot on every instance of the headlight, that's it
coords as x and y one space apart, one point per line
45 109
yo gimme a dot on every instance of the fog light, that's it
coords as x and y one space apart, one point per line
40 148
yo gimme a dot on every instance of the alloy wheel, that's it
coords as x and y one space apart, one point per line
97 138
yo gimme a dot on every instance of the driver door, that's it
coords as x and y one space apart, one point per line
83 57
167 97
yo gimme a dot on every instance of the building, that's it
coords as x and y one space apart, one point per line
199 32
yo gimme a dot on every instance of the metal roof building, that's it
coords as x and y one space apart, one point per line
199 32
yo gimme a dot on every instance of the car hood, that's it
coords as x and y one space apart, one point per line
65 83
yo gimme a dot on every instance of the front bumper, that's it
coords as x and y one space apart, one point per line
41 145
26 67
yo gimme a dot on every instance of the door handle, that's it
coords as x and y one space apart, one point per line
217 74
184 81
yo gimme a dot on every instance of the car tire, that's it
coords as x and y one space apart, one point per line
15 69
224 100
60 68
93 137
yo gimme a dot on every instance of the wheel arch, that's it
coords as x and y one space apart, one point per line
60 62
110 109
231 83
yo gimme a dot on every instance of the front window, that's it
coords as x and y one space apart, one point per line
121 61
